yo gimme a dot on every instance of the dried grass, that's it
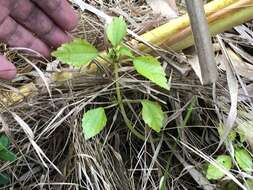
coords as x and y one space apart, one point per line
115 159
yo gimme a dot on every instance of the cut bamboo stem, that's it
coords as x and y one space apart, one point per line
220 21
164 36
10 98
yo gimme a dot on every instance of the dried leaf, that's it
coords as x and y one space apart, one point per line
243 96
233 90
166 8
245 130
242 68
194 62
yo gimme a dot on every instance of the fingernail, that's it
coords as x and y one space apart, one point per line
7 69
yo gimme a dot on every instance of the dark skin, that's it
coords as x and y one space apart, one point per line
40 25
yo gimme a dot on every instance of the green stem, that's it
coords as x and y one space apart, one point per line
121 106
167 168
189 112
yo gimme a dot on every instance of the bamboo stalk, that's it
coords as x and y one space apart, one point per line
11 98
164 34
219 21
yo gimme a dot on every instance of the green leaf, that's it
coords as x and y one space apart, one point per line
4 180
93 122
116 31
4 140
162 183
151 68
231 135
249 184
125 52
6 155
77 53
244 160
214 172
111 54
152 115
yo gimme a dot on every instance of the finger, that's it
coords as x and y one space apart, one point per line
7 3
16 35
29 15
4 13
60 11
7 69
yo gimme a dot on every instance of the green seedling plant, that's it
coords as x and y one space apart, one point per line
242 157
5 155
79 53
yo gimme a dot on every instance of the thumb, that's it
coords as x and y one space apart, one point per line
7 69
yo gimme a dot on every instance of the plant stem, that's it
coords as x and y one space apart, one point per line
167 167
121 106
131 101
189 112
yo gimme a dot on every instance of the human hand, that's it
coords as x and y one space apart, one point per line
39 25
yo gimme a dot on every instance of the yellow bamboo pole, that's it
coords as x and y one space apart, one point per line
11 98
159 36
224 19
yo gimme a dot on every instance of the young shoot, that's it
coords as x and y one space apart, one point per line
80 53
